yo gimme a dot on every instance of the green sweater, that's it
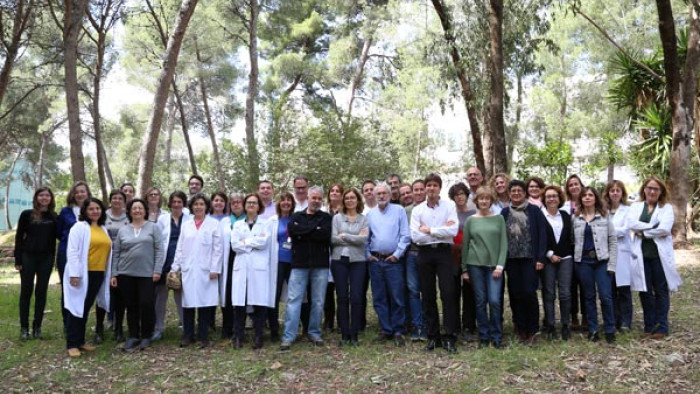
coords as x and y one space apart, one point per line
485 242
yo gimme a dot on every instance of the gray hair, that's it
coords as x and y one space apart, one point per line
382 184
236 196
315 188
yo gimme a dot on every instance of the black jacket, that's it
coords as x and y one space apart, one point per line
565 246
311 239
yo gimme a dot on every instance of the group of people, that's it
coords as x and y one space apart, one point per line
321 252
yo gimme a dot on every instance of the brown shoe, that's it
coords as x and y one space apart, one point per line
657 336
74 352
87 347
646 335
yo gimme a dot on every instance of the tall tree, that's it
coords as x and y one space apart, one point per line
150 140
13 37
496 130
251 95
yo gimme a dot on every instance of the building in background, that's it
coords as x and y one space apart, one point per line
17 198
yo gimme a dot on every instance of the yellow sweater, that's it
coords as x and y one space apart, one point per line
100 246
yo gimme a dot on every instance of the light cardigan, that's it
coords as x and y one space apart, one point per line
77 266
659 229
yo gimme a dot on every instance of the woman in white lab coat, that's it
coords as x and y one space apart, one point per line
653 268
198 256
254 279
615 195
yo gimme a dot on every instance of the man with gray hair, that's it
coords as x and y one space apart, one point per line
389 236
310 231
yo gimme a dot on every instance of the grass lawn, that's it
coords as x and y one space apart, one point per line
671 365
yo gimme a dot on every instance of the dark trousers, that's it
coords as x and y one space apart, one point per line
365 289
37 266
203 318
61 260
434 262
140 305
329 307
349 279
577 300
468 305
228 310
75 330
522 289
622 303
656 300
273 315
259 314
117 310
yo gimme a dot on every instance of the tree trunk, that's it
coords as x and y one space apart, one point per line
150 140
690 72
185 128
416 161
359 70
72 25
20 24
109 179
681 120
169 129
461 71
8 183
96 120
488 142
253 157
496 124
611 172
210 126
39 171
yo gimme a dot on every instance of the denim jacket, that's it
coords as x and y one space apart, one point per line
604 238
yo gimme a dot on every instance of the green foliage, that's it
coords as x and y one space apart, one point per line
550 162
652 156
235 159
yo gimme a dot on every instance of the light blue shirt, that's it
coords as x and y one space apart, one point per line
388 231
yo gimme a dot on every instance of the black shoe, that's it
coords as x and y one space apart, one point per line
496 344
274 336
24 334
317 342
185 342
130 345
610 337
450 347
551 333
593 336
432 344
565 332
237 343
98 338
285 346
382 337
204 343
118 336
399 340
258 343
145 344
483 344
354 341
36 333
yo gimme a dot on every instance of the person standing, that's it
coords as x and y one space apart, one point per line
389 237
137 264
499 184
237 213
334 204
301 190
595 256
653 268
394 181
310 231
198 257
413 298
88 257
433 227
35 250
572 189
475 179
484 252
368 194
527 249
155 202
615 195
278 230
267 193
254 277
348 264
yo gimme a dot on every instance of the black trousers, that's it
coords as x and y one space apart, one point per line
468 305
273 319
75 330
203 318
34 266
522 289
140 305
227 310
434 262
117 309
259 314
329 307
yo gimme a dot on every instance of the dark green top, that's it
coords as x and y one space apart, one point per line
649 249
485 242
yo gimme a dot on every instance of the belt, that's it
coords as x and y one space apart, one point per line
591 254
434 246
380 256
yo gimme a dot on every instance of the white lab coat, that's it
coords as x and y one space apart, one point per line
663 219
624 245
225 228
77 252
197 255
255 266
164 224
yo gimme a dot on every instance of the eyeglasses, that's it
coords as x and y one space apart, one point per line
195 184
153 194
551 197
251 203
652 189
472 175
300 187
516 191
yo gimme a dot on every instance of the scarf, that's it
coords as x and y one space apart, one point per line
518 223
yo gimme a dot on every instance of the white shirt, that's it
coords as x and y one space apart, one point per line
300 206
557 223
436 218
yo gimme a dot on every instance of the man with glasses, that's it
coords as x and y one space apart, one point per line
301 186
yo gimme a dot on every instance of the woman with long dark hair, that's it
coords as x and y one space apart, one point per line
595 256
88 257
35 249
278 225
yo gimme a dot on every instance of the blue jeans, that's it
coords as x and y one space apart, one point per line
349 280
592 275
298 280
487 291
388 295
413 288
655 301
